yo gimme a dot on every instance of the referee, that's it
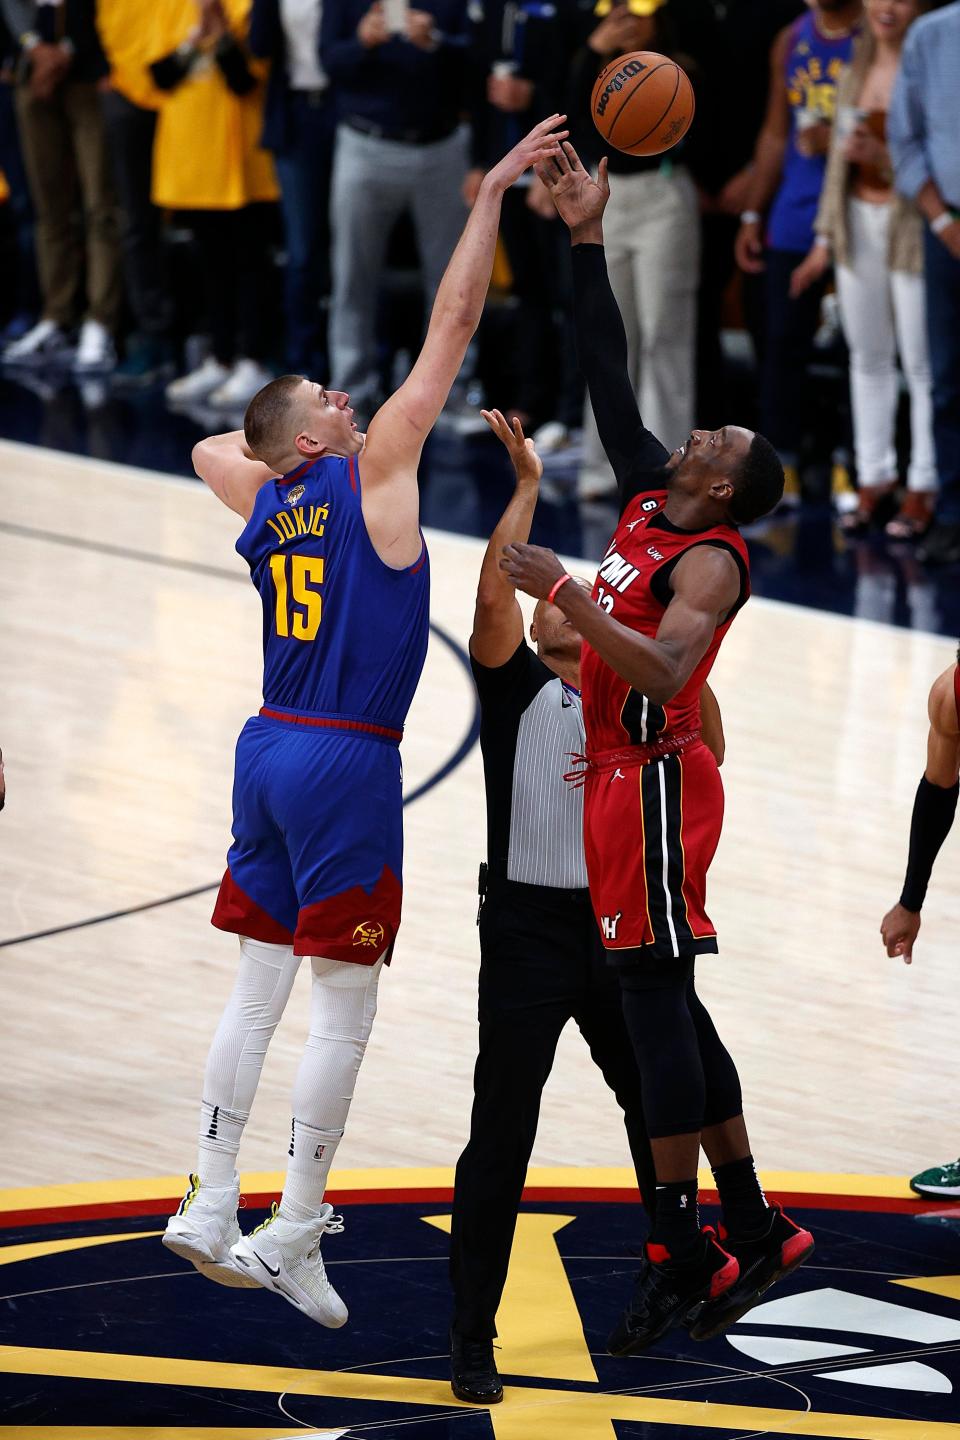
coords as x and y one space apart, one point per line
541 959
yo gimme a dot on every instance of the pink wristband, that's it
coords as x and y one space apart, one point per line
553 593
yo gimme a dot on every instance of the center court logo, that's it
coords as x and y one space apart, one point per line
369 934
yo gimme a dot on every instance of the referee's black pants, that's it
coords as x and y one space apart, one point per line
541 963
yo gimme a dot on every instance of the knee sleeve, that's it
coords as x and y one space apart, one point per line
264 980
664 1040
724 1099
343 1006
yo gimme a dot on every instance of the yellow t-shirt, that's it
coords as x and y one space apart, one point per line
206 154
125 28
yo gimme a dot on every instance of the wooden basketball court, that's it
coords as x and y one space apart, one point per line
129 659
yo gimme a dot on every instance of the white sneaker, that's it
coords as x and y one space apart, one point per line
199 383
240 386
45 341
284 1256
203 1230
96 351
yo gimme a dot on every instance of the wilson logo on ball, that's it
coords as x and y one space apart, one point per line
617 83
642 103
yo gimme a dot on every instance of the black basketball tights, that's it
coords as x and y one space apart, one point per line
689 1079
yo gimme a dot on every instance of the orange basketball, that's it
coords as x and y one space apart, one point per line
642 103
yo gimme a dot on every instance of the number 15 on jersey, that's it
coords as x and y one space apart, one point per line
297 580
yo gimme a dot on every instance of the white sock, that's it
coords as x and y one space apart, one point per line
264 980
311 1156
343 1004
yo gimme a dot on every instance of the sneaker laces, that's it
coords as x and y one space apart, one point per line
476 1354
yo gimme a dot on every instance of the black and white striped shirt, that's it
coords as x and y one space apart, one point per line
531 722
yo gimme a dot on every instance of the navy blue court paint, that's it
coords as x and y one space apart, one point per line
133 1299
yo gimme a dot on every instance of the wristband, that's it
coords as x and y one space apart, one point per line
751 217
933 812
943 222
551 597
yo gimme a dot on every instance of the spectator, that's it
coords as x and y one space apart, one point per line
652 227
19 297
207 161
924 131
876 239
788 170
729 118
65 157
299 130
129 102
518 76
399 148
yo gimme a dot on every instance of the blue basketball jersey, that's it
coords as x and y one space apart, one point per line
344 635
814 65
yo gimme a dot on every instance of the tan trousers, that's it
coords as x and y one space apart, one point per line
651 232
68 171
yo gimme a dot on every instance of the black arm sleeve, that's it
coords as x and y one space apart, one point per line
632 449
933 812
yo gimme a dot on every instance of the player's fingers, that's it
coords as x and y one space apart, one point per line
493 419
518 428
603 177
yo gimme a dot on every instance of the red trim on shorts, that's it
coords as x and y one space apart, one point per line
236 912
357 925
419 564
332 723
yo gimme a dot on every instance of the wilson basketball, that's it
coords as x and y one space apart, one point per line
642 103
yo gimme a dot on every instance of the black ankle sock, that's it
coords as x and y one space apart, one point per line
676 1223
745 1209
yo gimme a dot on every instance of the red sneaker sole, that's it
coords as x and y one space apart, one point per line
797 1249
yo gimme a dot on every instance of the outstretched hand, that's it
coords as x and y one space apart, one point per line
527 464
580 200
531 568
899 930
542 144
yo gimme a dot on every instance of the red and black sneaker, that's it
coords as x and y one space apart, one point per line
666 1290
764 1259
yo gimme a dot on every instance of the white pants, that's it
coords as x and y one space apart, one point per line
651 233
883 312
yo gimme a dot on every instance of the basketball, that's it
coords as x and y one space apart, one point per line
642 103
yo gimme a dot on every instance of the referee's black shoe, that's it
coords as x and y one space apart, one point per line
667 1290
764 1259
473 1371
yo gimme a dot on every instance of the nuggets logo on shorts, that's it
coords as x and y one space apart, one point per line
369 934
295 494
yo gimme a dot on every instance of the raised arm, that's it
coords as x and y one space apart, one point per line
601 339
934 808
398 430
767 167
706 586
228 466
497 619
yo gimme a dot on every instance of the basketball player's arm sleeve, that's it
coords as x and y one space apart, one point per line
632 449
935 803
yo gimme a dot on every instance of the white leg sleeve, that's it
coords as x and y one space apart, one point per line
261 991
342 1010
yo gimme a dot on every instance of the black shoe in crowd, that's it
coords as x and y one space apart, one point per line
667 1290
473 1371
941 546
763 1259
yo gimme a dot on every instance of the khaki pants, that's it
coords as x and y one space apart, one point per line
651 232
65 157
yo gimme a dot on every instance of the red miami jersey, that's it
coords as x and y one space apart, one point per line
633 585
